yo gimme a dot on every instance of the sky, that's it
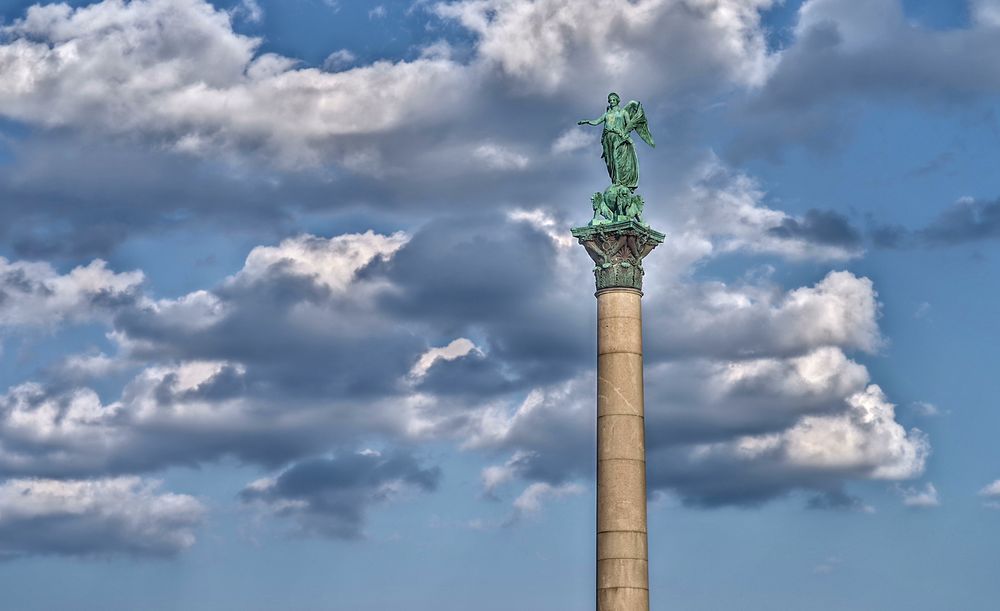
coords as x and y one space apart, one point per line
290 315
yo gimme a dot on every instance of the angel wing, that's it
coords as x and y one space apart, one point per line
637 118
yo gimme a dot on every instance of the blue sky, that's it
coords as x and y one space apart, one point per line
290 317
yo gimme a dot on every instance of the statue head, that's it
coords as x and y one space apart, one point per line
613 99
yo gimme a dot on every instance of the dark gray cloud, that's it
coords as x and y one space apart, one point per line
331 496
821 227
965 222
842 55
69 196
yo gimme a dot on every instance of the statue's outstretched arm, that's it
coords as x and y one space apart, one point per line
596 121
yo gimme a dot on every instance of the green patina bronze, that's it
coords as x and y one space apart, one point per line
619 201
616 238
618 250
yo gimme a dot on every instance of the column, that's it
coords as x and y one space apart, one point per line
622 551
622 560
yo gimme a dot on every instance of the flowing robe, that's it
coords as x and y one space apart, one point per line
619 150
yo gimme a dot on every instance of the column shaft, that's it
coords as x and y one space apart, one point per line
622 554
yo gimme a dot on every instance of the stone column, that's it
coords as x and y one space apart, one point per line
622 552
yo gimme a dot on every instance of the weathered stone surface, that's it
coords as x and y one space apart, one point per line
621 437
622 573
622 554
619 599
621 495
619 384
621 544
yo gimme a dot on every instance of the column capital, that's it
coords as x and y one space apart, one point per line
618 250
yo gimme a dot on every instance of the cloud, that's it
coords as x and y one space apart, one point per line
817 453
249 104
721 211
991 494
531 500
719 441
565 45
574 139
314 344
821 227
330 263
385 134
967 221
456 349
272 365
925 409
249 10
920 498
985 12
844 52
758 320
499 157
495 476
34 294
338 60
330 496
828 566
240 101
124 515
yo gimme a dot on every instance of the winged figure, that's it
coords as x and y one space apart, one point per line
619 150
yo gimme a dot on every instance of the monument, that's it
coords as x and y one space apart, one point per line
618 239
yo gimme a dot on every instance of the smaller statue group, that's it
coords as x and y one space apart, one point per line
619 202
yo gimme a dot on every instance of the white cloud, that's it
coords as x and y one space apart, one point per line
42 433
147 56
533 497
542 220
923 498
495 476
35 294
760 320
101 67
925 409
86 366
103 516
457 349
985 12
249 10
991 491
726 210
574 139
331 262
866 438
585 45
824 428
828 566
498 157
338 60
